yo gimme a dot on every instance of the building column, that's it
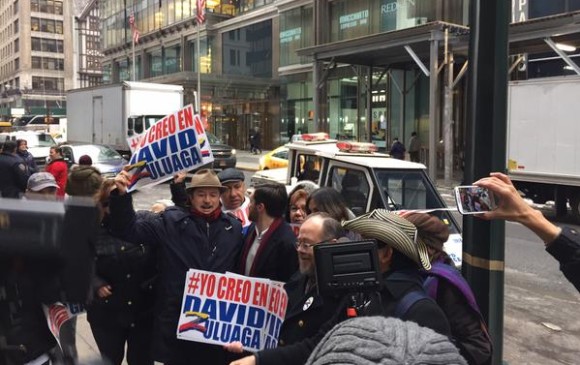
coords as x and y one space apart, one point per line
433 102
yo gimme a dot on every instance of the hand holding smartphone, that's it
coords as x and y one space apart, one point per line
474 199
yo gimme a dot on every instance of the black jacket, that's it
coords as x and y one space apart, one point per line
424 312
13 175
307 312
130 269
25 284
183 241
28 161
276 258
566 249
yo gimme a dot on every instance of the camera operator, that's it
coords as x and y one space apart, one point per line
400 260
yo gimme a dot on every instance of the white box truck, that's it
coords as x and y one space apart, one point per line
109 114
544 140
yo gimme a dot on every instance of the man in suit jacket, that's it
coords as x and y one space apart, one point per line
269 246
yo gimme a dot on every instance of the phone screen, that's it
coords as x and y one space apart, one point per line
474 199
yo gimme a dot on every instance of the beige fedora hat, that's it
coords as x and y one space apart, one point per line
205 178
393 230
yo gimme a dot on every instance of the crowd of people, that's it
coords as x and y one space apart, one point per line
423 311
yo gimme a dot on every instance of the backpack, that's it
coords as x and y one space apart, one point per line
441 271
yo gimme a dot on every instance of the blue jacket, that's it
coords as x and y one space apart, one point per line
183 241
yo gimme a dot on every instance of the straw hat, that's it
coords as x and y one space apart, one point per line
393 230
205 178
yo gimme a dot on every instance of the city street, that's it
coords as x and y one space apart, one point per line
541 325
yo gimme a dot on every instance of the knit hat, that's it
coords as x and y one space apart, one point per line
384 341
84 181
395 231
85 160
430 229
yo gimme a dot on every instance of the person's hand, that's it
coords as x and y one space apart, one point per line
179 177
122 181
510 205
235 347
104 291
248 360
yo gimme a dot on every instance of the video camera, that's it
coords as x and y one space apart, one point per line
53 235
350 269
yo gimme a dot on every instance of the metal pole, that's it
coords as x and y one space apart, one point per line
198 100
433 100
133 60
484 242
448 112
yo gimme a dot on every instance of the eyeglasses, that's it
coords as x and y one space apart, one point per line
306 246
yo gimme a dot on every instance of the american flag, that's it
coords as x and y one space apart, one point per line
134 30
200 12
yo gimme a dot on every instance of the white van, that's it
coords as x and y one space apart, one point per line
39 144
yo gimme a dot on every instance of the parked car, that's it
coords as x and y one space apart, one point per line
107 160
39 144
224 155
274 159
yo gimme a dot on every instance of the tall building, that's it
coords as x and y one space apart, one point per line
34 68
86 50
370 70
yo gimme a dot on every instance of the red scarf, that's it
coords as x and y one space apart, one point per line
263 242
209 217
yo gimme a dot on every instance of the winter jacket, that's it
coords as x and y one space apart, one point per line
28 161
566 249
59 169
130 269
306 313
183 241
13 176
83 181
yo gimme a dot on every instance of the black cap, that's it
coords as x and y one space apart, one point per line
231 175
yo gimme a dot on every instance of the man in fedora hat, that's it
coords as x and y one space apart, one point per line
199 238
400 259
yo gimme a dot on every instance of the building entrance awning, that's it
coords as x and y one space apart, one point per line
388 48
385 49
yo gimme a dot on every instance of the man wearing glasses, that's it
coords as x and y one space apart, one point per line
307 311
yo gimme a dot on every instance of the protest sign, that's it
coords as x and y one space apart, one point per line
224 308
58 313
175 143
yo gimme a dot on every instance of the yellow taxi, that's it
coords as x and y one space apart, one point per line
274 159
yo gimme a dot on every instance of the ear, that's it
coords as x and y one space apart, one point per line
385 258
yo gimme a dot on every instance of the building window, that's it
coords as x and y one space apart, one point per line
17 64
172 57
16 26
47 63
48 83
253 43
47 45
295 33
16 46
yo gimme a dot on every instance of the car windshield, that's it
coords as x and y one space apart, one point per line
97 153
410 190
212 138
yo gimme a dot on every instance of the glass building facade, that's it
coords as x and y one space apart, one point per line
252 75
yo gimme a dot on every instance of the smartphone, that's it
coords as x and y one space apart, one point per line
474 199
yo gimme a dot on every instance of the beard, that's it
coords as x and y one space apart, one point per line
253 214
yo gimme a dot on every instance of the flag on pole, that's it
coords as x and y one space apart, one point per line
200 12
135 32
